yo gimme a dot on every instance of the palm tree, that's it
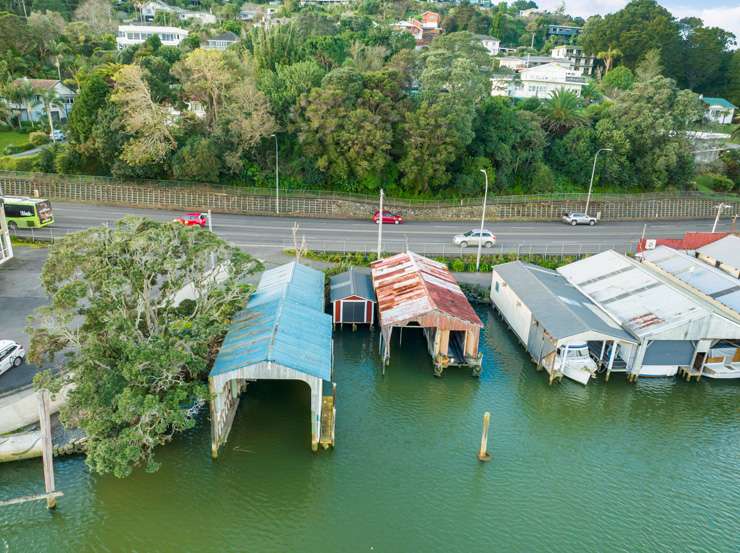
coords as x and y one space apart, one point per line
609 56
562 112
5 112
21 93
49 98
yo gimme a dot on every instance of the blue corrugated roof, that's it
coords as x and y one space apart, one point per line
718 102
355 282
284 322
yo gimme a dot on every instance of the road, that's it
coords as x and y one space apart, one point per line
268 235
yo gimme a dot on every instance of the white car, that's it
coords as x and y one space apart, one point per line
56 135
473 237
574 219
11 355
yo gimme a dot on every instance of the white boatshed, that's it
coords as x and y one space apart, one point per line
673 329
547 313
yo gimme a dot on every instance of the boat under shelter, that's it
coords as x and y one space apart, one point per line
281 334
415 291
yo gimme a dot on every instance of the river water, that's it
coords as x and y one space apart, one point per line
609 467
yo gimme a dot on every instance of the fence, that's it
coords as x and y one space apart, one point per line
308 203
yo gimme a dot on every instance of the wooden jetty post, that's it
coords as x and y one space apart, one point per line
483 454
47 450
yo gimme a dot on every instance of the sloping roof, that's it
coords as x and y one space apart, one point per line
284 323
355 282
556 304
711 282
725 250
226 36
409 286
37 83
718 102
641 302
690 241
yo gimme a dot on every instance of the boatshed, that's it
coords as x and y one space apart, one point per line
352 297
673 328
416 292
723 254
282 334
561 329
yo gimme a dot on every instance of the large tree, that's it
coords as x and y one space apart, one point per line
135 355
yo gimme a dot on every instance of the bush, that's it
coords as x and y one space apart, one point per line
11 149
19 163
38 138
457 265
713 181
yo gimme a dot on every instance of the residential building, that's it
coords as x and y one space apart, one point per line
130 35
221 41
718 110
537 82
430 20
150 10
324 2
564 31
578 60
707 146
412 26
492 44
517 63
6 248
530 12
723 254
251 12
424 30
35 108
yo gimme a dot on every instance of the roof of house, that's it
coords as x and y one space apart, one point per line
38 83
639 300
705 279
726 250
227 36
718 102
410 286
690 241
355 282
283 323
556 304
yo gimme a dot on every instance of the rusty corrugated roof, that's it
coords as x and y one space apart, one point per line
410 286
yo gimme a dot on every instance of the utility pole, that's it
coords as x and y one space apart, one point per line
380 223
593 172
277 175
720 207
482 221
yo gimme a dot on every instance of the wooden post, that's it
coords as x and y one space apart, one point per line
46 448
483 454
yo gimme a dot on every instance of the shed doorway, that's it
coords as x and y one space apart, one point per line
353 311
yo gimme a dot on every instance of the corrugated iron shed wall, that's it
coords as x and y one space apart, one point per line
410 287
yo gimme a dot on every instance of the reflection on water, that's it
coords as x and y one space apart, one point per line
607 467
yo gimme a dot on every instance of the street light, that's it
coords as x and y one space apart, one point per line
719 207
277 175
380 224
593 172
482 221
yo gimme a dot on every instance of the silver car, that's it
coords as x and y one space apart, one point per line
574 219
474 237
11 355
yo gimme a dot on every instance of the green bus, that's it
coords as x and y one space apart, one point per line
27 212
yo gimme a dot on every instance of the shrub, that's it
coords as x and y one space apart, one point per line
38 138
457 265
718 183
19 163
11 149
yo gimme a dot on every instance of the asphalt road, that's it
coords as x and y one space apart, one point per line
268 235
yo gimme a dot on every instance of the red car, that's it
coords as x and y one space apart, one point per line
193 219
388 218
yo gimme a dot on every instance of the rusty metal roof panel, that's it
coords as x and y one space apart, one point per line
410 287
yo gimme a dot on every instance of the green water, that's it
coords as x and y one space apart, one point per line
648 467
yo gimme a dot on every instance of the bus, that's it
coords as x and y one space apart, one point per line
27 212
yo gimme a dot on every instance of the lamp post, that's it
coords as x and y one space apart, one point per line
380 223
720 207
593 172
482 221
277 175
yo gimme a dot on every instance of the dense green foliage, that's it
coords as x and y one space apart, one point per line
135 357
352 105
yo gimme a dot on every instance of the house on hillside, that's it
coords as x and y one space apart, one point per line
576 58
566 32
130 35
718 110
430 20
150 10
537 82
517 63
221 41
35 107
492 44
424 30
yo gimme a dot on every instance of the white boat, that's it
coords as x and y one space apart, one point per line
722 363
574 361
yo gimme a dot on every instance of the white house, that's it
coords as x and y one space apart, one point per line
537 82
492 44
130 35
150 10
718 110
517 63
59 111
576 58
221 41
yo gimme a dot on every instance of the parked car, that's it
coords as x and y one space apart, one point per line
473 237
574 219
56 135
193 219
388 218
12 355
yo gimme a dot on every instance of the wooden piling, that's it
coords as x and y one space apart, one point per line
483 454
46 448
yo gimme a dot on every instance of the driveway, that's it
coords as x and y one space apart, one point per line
20 294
